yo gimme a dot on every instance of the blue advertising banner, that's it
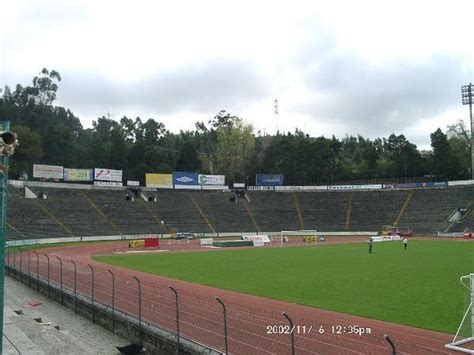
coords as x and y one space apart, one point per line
185 178
269 179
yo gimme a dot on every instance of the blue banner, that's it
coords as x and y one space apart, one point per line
185 178
269 179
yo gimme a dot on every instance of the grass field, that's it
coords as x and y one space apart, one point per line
418 287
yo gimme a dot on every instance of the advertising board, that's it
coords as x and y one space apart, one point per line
107 174
48 171
159 180
77 174
182 178
211 179
269 179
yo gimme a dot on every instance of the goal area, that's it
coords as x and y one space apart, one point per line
464 339
302 237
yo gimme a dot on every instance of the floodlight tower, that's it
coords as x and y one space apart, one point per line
275 114
467 92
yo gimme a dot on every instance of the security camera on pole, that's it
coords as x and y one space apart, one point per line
467 92
8 142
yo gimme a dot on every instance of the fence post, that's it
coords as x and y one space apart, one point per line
292 333
29 268
113 300
61 276
139 306
75 285
390 341
14 257
93 285
177 317
21 266
49 286
225 323
7 258
37 270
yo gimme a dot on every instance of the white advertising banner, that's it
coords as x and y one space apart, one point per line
133 183
107 184
107 174
211 179
263 237
206 241
48 171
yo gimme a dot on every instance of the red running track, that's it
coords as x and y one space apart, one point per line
201 317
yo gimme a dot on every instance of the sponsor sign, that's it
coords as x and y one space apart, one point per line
262 188
107 184
341 187
314 188
180 178
206 241
211 179
107 174
77 174
356 187
239 185
269 179
188 187
214 187
138 243
158 180
48 171
152 243
435 184
133 183
263 237
461 182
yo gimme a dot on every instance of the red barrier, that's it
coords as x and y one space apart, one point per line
152 243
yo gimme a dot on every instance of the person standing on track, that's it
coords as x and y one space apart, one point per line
405 243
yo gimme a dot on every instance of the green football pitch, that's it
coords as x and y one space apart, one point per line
418 287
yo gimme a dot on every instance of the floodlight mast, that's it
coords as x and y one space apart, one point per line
467 92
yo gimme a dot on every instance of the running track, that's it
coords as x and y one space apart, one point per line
201 317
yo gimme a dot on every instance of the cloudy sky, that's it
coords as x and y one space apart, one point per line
336 67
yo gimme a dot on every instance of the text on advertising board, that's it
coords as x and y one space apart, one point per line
211 179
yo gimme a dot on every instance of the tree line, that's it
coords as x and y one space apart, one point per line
226 144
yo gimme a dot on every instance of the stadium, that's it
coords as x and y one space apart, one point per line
242 178
259 269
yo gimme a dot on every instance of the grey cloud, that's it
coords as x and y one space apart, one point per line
378 100
209 87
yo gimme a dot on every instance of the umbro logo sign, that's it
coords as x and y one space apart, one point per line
184 179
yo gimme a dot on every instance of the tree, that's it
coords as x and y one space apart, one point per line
460 147
441 153
45 86
188 158
29 152
235 147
